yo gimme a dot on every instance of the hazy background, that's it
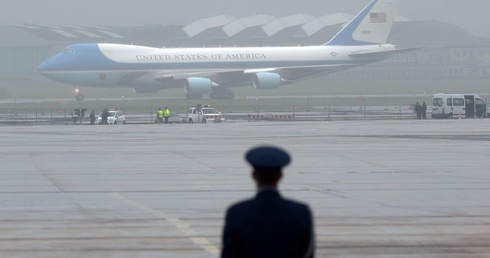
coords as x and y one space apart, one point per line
471 15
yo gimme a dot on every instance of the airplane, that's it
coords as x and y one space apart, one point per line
214 70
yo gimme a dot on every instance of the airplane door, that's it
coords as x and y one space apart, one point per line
469 106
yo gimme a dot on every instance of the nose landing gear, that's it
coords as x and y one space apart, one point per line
78 95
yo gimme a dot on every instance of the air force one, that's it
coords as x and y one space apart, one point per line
214 70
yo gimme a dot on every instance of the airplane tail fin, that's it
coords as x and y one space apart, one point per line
371 26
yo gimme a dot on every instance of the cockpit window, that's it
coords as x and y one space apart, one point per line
69 50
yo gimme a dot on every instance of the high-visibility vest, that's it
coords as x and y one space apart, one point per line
160 113
167 112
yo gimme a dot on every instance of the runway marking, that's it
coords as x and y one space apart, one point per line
185 228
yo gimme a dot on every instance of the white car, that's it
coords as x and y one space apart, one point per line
205 115
115 117
174 118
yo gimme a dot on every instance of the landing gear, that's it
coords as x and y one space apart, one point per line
222 94
79 96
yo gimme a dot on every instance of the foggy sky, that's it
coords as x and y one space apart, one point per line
471 15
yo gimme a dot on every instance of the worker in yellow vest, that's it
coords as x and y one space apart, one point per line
166 114
160 116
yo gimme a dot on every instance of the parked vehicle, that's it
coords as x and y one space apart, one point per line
174 118
205 114
115 117
458 106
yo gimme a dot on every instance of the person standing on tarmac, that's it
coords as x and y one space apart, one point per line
166 114
104 116
418 110
424 110
160 116
268 225
92 117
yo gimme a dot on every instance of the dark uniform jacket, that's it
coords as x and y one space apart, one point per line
268 226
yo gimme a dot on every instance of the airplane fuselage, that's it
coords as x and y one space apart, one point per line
106 65
215 70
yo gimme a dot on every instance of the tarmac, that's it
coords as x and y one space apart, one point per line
377 188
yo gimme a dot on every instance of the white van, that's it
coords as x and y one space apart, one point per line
458 106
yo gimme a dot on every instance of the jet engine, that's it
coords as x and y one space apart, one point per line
267 80
197 85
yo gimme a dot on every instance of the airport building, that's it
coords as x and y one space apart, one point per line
445 49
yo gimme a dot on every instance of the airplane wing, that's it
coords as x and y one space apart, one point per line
165 75
293 74
381 54
241 77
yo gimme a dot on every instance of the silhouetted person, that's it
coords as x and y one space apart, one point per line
424 110
104 116
268 225
418 110
92 117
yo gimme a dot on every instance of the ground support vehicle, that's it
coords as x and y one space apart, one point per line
204 115
458 106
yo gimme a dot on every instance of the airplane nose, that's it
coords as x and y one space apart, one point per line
48 69
45 66
42 67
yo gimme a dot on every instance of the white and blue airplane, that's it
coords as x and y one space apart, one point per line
214 70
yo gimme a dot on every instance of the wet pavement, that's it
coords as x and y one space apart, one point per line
378 188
